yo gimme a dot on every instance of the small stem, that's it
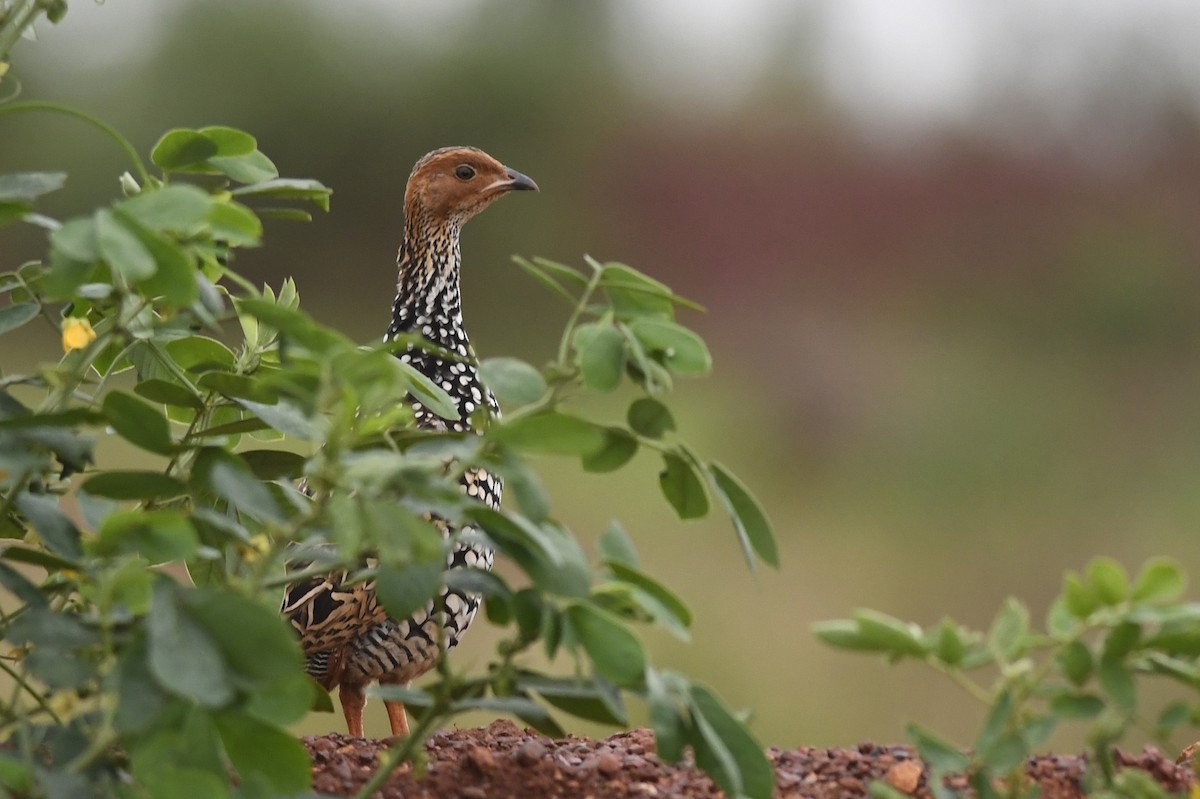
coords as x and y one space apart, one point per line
963 681
19 679
104 127
565 343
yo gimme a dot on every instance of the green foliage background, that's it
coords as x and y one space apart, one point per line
950 377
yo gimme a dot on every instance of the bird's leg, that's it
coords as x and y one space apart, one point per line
397 717
353 700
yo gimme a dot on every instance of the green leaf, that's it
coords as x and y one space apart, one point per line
1081 600
56 530
538 273
593 700
1122 639
936 752
662 605
681 351
288 321
601 354
16 315
1117 682
168 393
650 418
157 535
235 224
1109 580
20 587
289 188
138 422
666 717
1160 580
1076 662
844 634
1008 636
950 644
1076 705
134 485
16 776
253 167
619 448
199 354
288 419
615 652
183 658
229 141
753 529
682 487
122 249
551 557
260 750
551 433
615 546
77 240
28 186
260 648
183 760
173 279
754 773
181 148
514 382
228 477
889 634
404 591
634 294
178 207
274 464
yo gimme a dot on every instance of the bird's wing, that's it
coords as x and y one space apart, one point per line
329 612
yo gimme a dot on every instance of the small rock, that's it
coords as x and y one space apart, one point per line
530 752
608 764
904 776
481 758
473 792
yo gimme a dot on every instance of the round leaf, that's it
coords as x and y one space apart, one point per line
601 352
181 148
157 535
682 351
183 658
551 433
650 418
682 487
619 448
514 382
138 422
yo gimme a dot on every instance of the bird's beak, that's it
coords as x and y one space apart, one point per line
515 181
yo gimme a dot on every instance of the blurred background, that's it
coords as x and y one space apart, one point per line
948 251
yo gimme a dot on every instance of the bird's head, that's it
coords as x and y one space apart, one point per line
455 183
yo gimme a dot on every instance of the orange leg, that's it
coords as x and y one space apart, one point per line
353 700
397 717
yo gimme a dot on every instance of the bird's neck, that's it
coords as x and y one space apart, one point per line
428 302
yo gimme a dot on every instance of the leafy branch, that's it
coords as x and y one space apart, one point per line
1102 635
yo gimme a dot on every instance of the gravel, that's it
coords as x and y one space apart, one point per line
502 761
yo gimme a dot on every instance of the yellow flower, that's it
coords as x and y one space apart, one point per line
77 333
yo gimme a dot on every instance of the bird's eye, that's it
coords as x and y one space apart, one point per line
464 172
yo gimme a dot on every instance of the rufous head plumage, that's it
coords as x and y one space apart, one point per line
452 184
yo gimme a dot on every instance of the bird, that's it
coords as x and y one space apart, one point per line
347 637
